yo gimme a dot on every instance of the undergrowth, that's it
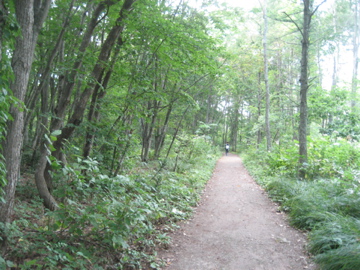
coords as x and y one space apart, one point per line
326 204
105 222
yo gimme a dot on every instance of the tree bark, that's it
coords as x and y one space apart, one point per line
30 15
304 86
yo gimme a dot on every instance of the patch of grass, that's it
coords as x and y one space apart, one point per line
329 208
281 190
309 206
337 233
347 204
344 258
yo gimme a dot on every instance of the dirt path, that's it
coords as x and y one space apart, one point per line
236 227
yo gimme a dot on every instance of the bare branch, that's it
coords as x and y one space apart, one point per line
297 26
317 7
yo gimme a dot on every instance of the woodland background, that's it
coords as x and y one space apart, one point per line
113 114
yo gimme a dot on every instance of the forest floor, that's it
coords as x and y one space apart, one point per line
236 227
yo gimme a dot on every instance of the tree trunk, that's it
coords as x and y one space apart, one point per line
3 14
161 132
304 86
148 128
354 81
267 92
259 101
30 15
176 132
235 125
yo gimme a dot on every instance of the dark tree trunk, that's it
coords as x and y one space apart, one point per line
161 133
148 129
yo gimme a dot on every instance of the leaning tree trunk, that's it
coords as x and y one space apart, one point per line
30 15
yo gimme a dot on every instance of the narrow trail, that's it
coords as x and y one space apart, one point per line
236 227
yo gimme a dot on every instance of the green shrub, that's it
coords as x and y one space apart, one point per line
104 221
283 161
327 158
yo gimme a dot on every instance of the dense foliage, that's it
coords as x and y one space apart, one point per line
108 110
108 222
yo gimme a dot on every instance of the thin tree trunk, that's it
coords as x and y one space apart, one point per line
176 132
267 92
161 132
259 99
3 14
335 75
354 81
226 115
235 125
148 129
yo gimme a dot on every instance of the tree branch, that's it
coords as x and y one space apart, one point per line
297 26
